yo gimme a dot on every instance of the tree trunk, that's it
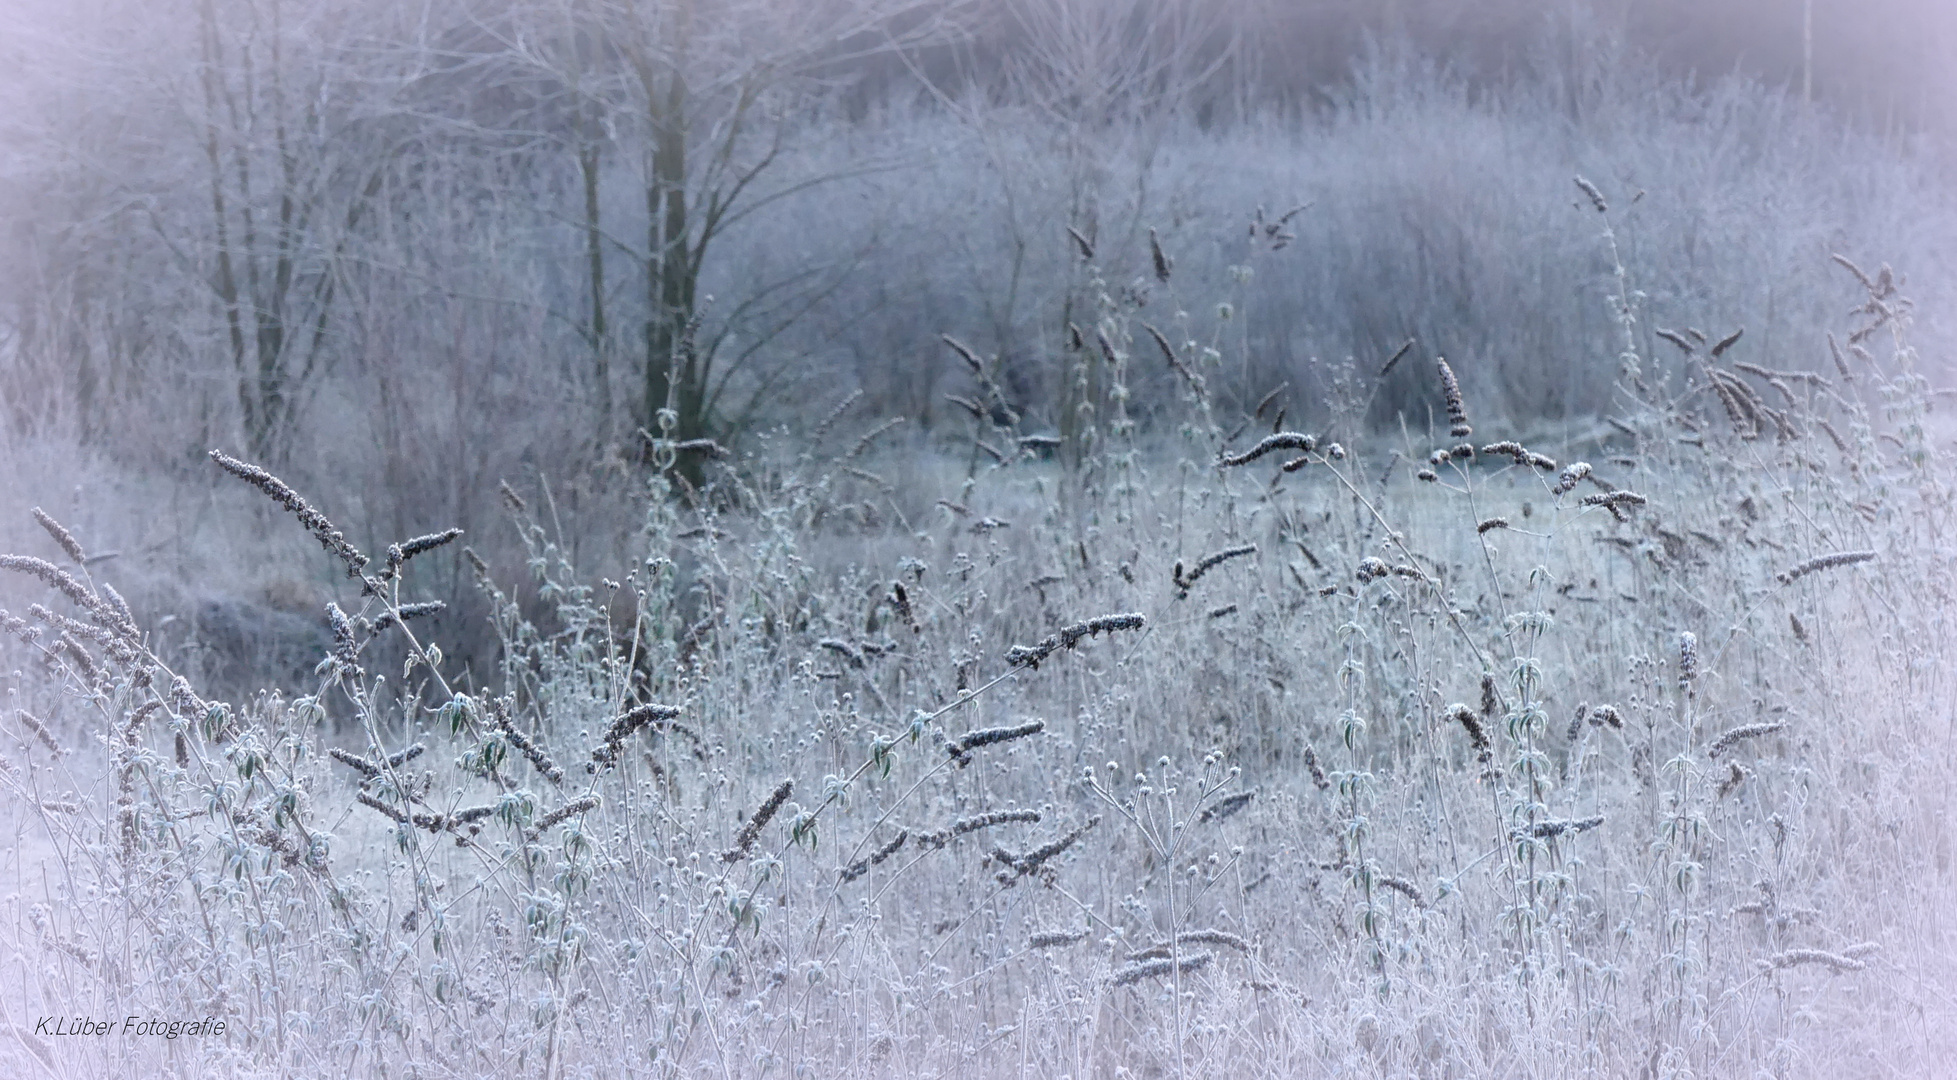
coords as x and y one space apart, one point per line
674 379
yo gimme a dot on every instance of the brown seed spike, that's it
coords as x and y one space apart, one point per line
744 840
1081 242
1596 197
1394 361
1194 380
1163 264
1283 440
965 353
1824 562
315 522
1451 389
1684 344
61 536
1728 341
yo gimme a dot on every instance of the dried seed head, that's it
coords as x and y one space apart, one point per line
1477 734
315 522
1825 562
33 723
1317 771
1394 360
1590 192
836 413
1209 562
367 800
1069 637
964 826
1735 736
1492 524
529 748
1163 264
1841 362
965 353
1054 939
1226 806
1283 440
1034 861
962 748
571 809
1688 659
1684 344
1795 957
628 723
120 605
744 840
61 536
1457 415
1402 886
1543 830
367 769
1572 474
1736 775
1144 969
99 610
858 869
842 649
1614 501
871 436
1080 242
398 554
1224 938
901 600
345 651
1372 569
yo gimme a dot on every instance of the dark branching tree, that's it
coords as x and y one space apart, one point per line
289 180
696 102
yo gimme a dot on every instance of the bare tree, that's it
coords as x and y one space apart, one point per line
287 187
698 100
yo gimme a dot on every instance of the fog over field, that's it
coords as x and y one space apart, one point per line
944 538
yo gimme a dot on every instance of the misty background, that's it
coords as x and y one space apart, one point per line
398 252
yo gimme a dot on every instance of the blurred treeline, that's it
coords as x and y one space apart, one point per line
398 251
